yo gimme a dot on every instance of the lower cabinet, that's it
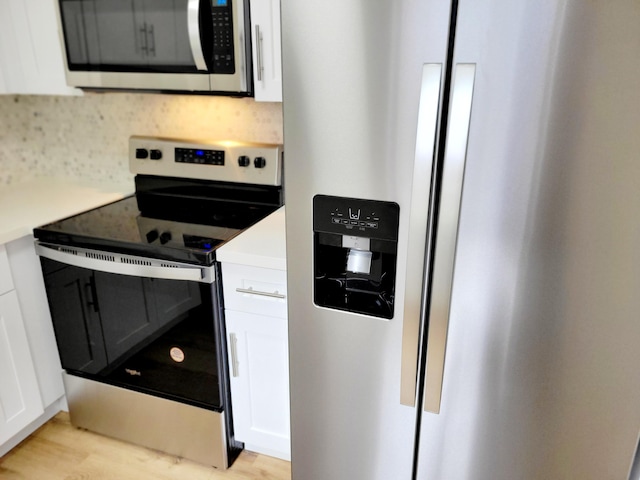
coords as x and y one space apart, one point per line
20 402
31 389
258 349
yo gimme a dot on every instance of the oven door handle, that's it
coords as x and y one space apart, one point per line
125 264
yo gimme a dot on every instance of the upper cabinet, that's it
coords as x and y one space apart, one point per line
30 49
267 56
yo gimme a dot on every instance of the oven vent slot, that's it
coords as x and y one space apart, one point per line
68 250
135 261
168 265
100 256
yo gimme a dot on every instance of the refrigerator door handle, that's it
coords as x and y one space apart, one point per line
447 232
428 111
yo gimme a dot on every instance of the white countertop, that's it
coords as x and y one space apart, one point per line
262 245
34 203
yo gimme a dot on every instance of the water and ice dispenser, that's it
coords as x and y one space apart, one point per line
354 254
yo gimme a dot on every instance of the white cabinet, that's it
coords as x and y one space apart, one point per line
258 349
20 401
266 46
31 388
30 49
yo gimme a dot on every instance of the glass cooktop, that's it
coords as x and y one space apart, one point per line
167 234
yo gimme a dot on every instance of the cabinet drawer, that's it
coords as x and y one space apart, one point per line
6 282
255 290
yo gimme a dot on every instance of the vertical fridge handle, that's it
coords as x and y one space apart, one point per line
447 232
428 109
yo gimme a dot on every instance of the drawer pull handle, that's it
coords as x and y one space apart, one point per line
251 291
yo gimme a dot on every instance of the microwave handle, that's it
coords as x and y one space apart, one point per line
193 27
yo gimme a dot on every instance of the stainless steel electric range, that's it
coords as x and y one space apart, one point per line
136 299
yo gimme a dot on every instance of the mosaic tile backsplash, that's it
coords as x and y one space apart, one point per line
86 137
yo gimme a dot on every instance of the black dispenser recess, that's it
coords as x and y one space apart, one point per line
354 254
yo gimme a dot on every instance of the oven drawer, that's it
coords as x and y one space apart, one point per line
255 290
6 282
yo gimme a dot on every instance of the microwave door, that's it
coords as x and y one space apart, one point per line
148 45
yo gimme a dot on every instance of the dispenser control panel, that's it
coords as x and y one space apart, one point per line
356 217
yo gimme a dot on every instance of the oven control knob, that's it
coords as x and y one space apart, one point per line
152 236
259 162
142 153
244 161
155 154
165 237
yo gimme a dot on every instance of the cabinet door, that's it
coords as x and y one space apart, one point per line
259 371
71 293
31 51
266 45
20 401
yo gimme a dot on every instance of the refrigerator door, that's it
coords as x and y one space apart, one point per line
543 343
353 77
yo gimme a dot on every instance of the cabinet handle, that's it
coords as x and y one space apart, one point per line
233 347
251 291
259 52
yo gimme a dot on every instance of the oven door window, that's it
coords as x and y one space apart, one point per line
152 335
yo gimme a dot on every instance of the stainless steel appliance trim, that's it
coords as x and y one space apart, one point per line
446 236
233 347
193 27
418 223
125 264
251 291
260 68
172 427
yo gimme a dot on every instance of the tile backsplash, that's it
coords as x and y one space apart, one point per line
86 137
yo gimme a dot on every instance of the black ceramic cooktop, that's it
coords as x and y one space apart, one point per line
168 234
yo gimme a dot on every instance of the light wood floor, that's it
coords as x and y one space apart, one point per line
59 451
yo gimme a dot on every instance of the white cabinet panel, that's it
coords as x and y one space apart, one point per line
259 364
30 49
20 401
29 285
266 45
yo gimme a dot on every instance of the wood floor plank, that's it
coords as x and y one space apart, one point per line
59 451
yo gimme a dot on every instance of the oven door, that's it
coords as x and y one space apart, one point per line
190 45
136 323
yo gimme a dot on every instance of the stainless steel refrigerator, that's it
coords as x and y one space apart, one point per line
462 189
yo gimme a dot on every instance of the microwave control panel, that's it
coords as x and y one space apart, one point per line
222 20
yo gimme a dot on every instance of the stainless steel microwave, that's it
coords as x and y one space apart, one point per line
157 45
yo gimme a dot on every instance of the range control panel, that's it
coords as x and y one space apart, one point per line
227 161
